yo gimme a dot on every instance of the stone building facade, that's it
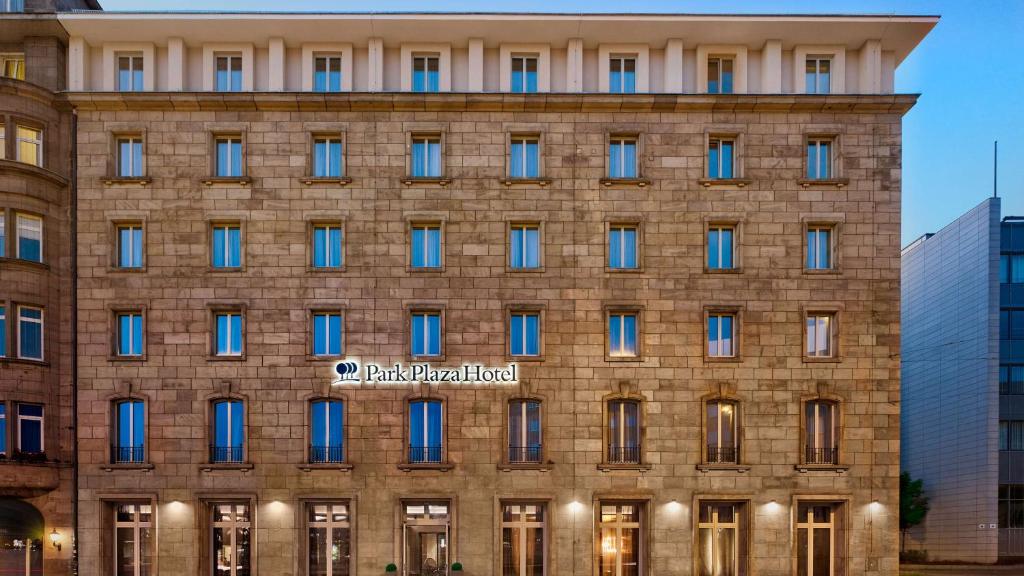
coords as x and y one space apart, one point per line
206 330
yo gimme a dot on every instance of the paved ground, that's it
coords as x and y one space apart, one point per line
906 570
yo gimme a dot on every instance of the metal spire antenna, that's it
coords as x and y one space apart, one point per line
995 169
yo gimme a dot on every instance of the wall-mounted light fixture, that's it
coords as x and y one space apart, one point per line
55 539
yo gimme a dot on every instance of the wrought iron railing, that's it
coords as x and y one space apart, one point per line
822 455
226 453
623 454
126 454
722 454
424 454
524 454
326 454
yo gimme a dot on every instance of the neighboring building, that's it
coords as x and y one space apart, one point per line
963 385
699 294
36 290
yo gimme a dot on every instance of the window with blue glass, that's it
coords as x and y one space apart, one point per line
524 73
426 246
524 246
1011 268
622 74
129 334
1011 379
623 247
29 230
130 73
721 335
720 75
3 225
130 433
30 429
425 431
524 334
129 246
622 158
229 157
524 431
228 434
328 158
3 428
227 246
12 5
129 157
229 73
228 333
524 157
426 157
818 74
819 248
327 73
426 334
326 434
721 249
623 334
3 331
327 333
30 333
327 246
426 75
721 158
819 159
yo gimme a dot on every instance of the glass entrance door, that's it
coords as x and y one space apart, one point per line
816 542
426 531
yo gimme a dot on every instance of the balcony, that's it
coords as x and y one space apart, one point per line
326 454
226 454
425 454
822 456
524 454
127 454
722 455
623 454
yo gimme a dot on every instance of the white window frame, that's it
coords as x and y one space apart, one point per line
131 141
41 419
232 527
818 59
835 52
620 316
37 142
524 244
329 335
131 334
326 49
23 217
817 230
621 141
230 315
719 140
131 228
524 140
621 229
329 251
327 141
817 143
426 334
812 327
426 228
524 314
441 50
136 525
732 334
227 246
524 59
330 525
230 59
426 140
720 253
521 524
811 526
720 59
230 141
329 61
42 331
132 57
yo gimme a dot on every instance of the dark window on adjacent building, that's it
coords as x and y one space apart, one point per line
1011 435
1011 505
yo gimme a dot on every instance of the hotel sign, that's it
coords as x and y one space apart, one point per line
354 372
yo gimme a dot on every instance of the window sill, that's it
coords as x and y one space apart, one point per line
125 180
722 359
340 181
22 263
126 466
636 270
33 170
226 180
524 359
410 181
638 182
424 269
215 358
821 271
638 358
609 467
26 361
126 270
741 468
126 359
723 270
829 360
542 182
326 358
214 466
341 466
837 468
725 182
537 270
325 269
513 466
440 358
832 182
441 466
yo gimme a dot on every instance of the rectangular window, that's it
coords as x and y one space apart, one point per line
327 246
1011 435
327 158
3 428
620 539
819 159
133 539
622 74
227 246
229 157
623 247
29 237
228 333
819 75
30 429
130 432
818 551
30 333
821 425
721 249
524 74
622 159
723 443
1011 506
721 158
330 539
3 141
30 145
721 335
524 432
819 248
229 73
231 539
426 76
129 246
623 432
720 75
820 333
524 158
129 334
12 66
129 73
3 334
426 334
1011 266
327 333
426 246
524 334
3 226
1011 376
326 431
327 73
524 246
12 5
228 432
622 334
719 540
129 157
522 539
426 157
425 429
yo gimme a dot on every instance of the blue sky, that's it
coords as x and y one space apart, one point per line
969 72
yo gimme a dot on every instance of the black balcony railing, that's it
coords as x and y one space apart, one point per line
723 454
623 454
424 454
822 455
127 454
524 454
326 454
226 453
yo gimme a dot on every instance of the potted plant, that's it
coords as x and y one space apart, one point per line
391 568
457 567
